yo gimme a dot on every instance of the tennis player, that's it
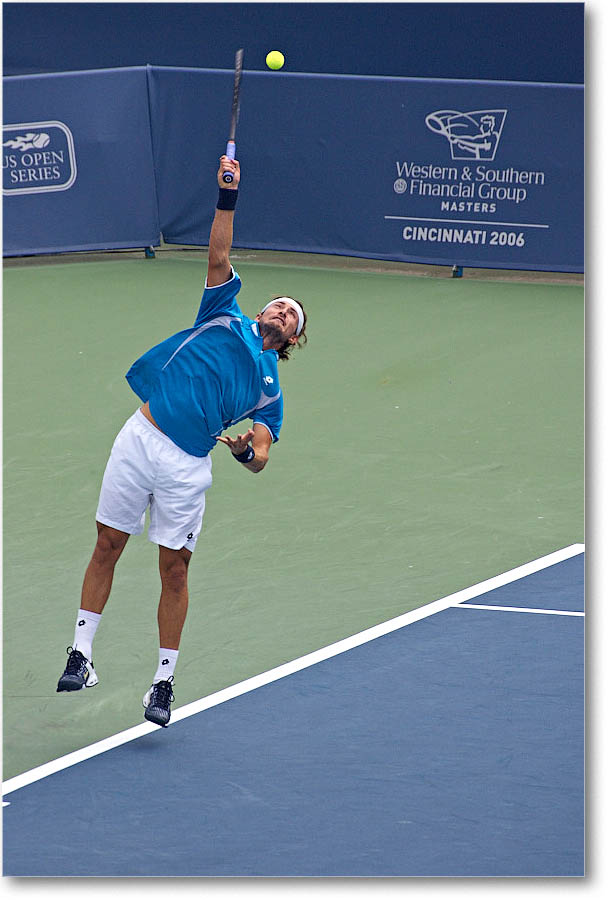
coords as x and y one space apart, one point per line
194 386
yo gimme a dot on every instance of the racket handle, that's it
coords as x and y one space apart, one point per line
228 177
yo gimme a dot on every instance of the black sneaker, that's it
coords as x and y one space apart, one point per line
79 673
157 702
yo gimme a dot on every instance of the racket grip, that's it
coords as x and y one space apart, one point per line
228 177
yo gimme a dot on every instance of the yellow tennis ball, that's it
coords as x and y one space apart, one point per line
275 59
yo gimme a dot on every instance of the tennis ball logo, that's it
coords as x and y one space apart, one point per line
275 59
40 141
29 141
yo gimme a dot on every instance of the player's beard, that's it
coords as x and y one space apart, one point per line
271 334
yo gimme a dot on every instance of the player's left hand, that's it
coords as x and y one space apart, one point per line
239 444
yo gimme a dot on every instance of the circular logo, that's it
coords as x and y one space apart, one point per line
400 186
41 140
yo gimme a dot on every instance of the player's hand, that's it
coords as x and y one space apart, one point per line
238 445
229 165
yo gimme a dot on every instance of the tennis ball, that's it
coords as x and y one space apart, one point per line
275 59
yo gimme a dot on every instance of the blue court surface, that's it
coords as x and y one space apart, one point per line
450 746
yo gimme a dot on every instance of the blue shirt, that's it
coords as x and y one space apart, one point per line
211 376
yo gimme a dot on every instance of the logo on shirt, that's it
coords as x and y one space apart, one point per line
37 157
268 379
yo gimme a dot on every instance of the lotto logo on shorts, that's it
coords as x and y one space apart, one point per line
37 157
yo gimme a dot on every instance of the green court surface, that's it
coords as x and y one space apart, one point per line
433 438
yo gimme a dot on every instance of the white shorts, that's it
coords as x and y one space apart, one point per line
146 468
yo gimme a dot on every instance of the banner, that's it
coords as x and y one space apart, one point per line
489 174
444 172
77 164
428 171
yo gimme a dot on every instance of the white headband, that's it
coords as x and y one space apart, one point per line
295 305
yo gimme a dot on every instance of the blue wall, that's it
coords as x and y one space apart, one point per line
476 173
540 42
77 163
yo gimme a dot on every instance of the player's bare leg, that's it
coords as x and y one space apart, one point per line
173 606
79 672
172 609
99 575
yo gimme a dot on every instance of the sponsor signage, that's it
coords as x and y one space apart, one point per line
433 171
482 194
37 157
483 184
77 164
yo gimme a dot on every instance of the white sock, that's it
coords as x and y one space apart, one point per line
167 660
86 626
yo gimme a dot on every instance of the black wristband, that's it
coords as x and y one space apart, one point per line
246 456
227 198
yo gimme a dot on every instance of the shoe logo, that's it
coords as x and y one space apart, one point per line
82 622
165 662
190 536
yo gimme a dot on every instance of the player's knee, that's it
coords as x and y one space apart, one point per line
110 544
174 570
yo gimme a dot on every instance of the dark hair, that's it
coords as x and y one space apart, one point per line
287 348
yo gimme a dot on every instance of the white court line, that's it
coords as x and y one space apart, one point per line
296 665
524 609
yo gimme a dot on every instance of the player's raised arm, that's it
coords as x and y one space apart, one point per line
220 239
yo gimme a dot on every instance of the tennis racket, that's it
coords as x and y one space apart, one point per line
227 177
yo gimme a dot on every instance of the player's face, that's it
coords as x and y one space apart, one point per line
282 317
